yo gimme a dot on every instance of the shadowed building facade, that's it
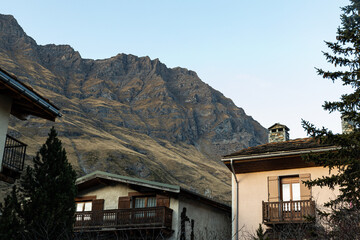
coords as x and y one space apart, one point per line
21 101
113 206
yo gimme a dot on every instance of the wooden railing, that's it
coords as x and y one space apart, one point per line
14 154
134 218
288 212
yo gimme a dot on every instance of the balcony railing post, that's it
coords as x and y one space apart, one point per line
292 210
23 158
164 215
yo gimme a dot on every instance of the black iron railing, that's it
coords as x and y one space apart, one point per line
14 154
134 218
288 211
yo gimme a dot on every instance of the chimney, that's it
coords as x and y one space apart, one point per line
278 133
347 126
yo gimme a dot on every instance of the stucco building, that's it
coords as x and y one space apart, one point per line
119 207
268 183
21 101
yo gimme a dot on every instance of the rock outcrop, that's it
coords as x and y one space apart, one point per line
130 115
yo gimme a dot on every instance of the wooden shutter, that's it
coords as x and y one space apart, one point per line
124 202
98 204
97 214
305 192
273 188
162 201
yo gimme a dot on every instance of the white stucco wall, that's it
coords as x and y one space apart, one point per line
174 205
110 194
210 223
253 189
5 108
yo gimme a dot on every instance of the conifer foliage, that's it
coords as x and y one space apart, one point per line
260 234
43 207
345 161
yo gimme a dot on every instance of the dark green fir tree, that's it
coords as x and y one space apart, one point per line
260 234
10 223
44 207
344 163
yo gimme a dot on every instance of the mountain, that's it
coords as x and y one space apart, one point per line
129 115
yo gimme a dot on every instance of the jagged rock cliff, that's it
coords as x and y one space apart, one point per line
130 115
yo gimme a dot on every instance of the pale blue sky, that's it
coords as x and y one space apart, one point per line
261 54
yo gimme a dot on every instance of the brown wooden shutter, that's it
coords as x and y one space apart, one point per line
98 204
97 214
273 188
124 202
162 201
305 192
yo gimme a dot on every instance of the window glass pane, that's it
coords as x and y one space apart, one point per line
151 202
79 207
296 192
139 202
286 192
88 206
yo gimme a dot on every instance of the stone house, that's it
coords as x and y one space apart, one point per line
21 101
268 183
119 207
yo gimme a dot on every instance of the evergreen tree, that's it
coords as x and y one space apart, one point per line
344 162
44 204
10 225
260 234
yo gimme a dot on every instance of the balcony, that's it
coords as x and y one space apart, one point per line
287 212
13 158
124 219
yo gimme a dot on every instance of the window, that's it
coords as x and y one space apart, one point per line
290 191
83 207
145 202
288 188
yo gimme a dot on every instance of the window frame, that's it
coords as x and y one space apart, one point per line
83 207
146 197
289 180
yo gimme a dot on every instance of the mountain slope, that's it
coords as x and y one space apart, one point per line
130 115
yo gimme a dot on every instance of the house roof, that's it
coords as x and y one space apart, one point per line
279 125
290 146
275 156
82 181
25 100
94 178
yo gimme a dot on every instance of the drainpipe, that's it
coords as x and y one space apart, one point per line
237 201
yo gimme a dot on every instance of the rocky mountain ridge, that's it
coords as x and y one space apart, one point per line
130 115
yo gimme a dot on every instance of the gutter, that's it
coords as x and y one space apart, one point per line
21 88
237 201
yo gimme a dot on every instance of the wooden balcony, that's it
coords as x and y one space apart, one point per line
124 219
287 212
